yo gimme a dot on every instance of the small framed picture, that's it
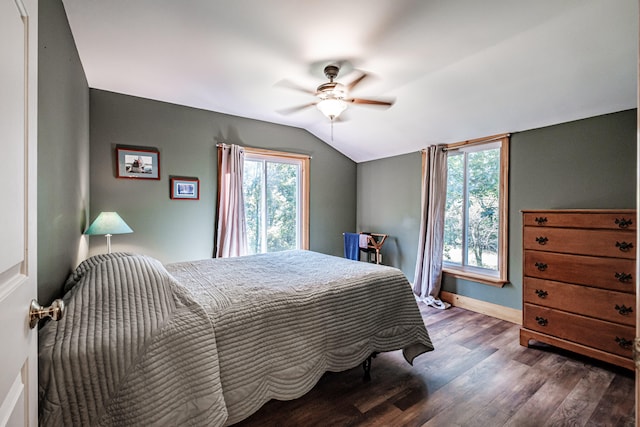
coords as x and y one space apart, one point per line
138 163
185 188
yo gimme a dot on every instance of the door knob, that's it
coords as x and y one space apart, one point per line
38 312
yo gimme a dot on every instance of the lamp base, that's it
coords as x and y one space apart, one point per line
108 236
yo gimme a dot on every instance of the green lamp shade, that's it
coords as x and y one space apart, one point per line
108 223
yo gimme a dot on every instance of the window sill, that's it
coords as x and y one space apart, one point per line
474 276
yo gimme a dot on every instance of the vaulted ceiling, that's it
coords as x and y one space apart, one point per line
457 69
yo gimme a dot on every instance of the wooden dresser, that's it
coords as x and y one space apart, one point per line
579 282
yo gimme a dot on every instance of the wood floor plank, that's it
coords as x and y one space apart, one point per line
432 316
383 415
517 391
477 383
478 375
484 384
615 408
545 401
449 366
577 407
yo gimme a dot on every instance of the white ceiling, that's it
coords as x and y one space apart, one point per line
458 69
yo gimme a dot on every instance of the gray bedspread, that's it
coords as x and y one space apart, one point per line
281 320
132 349
207 343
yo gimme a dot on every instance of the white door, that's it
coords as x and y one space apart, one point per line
18 261
636 351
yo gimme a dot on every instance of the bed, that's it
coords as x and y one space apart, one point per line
209 342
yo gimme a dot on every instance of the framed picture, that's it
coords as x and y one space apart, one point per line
185 188
138 163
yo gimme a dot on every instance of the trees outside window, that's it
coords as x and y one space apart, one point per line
275 196
476 211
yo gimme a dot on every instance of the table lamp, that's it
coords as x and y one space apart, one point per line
108 223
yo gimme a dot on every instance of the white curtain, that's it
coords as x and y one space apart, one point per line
428 275
232 229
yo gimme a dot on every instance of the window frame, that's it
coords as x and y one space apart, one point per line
475 274
303 196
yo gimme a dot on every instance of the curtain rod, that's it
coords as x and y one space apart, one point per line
456 145
267 151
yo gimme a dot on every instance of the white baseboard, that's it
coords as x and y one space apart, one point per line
494 310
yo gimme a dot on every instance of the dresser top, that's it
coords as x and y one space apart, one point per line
626 211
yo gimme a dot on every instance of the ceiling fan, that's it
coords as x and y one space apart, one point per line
333 97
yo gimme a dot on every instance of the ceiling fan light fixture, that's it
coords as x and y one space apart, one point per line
332 97
332 107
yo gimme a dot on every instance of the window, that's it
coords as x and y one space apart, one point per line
476 212
275 187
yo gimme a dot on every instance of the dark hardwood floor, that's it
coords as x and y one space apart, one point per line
478 375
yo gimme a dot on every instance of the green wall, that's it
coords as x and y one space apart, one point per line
588 163
63 151
177 230
389 203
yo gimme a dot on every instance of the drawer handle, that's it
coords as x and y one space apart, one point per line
623 223
624 310
624 246
541 321
541 220
541 293
542 240
624 277
541 266
624 343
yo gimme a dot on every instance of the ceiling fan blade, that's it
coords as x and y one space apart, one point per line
290 85
291 110
381 103
355 82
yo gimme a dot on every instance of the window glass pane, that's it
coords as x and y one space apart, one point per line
252 189
276 211
483 169
474 244
453 224
282 206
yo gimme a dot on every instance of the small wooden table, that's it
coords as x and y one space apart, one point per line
374 244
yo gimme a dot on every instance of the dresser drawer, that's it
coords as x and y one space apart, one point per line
607 273
620 220
600 334
608 243
613 306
